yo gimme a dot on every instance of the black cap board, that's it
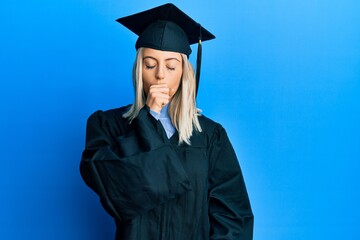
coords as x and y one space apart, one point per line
167 28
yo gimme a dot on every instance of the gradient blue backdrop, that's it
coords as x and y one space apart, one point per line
282 76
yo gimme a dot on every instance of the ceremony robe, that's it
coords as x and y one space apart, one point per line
156 189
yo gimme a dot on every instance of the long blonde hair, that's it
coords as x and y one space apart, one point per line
182 110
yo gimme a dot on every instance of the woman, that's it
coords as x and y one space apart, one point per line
162 170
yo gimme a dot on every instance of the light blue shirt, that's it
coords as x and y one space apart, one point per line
165 120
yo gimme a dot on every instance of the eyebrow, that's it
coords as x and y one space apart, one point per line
167 59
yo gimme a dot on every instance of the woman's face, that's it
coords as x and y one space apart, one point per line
161 67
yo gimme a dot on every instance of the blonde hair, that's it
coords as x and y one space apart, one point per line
182 110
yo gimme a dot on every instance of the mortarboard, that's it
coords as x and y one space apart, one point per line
167 28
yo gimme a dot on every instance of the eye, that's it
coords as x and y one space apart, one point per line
149 66
170 68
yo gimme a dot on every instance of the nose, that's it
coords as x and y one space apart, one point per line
160 73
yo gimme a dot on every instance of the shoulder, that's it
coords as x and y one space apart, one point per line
111 114
212 131
208 125
111 120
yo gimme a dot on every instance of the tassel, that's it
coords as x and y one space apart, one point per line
198 63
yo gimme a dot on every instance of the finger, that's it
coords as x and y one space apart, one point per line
158 95
156 100
162 90
159 86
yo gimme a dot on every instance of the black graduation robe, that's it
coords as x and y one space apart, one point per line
156 189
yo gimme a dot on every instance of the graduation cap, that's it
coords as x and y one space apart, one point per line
167 28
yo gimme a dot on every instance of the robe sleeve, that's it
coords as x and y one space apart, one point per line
131 173
230 212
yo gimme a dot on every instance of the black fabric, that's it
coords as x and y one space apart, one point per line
165 28
165 36
156 189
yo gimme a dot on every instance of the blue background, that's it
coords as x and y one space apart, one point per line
282 76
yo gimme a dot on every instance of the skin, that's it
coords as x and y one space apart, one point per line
161 74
